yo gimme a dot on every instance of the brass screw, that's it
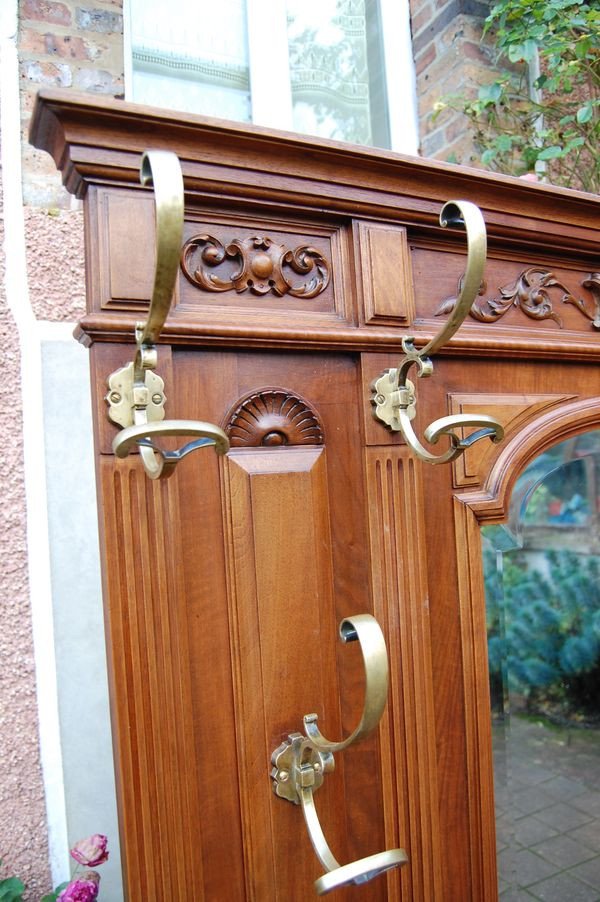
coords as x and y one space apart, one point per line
115 397
380 399
283 776
157 398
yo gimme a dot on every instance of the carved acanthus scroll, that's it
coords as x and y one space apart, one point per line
264 266
531 292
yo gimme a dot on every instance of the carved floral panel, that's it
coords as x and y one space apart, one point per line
261 266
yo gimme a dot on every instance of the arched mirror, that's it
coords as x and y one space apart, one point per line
542 579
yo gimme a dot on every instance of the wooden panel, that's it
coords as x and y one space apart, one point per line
410 780
124 257
478 737
386 274
283 630
260 243
510 410
540 295
150 670
222 622
131 253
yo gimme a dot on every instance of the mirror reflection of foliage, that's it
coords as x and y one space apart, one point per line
544 632
544 105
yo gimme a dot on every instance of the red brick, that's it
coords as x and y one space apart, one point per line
31 43
46 11
47 73
425 59
421 18
473 51
67 46
456 129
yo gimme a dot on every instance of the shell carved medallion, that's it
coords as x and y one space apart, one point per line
272 418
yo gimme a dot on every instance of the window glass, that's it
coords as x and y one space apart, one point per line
191 60
336 70
542 580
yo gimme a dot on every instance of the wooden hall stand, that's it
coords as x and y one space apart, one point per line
224 584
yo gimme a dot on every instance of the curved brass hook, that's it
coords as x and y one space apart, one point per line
157 461
301 762
394 396
365 629
161 169
136 393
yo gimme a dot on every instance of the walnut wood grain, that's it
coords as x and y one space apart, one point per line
399 580
283 633
99 139
511 410
387 288
146 629
223 587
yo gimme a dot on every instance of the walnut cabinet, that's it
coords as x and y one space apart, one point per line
224 584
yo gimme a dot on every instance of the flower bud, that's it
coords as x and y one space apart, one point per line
91 851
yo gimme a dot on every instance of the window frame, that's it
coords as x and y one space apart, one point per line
271 95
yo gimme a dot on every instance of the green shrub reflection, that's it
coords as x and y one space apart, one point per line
544 634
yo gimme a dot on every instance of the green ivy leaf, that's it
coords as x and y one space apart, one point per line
490 93
550 153
488 157
525 51
504 143
584 113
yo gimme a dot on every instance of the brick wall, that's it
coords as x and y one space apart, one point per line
67 44
449 58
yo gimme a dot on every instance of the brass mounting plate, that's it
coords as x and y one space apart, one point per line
124 396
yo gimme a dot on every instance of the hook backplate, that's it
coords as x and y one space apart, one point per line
125 395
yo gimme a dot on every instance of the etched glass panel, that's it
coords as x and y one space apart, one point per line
336 70
191 60
542 576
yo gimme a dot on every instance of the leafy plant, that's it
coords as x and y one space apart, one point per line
544 632
89 852
11 889
542 111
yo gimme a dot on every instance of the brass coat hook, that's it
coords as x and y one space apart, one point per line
301 762
394 396
135 392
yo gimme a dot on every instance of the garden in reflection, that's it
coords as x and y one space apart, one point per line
542 578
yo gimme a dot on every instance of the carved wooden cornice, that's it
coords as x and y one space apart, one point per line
96 140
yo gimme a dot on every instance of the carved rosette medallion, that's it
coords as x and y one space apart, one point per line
271 418
263 266
533 292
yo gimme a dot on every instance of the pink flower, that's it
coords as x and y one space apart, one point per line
83 889
92 851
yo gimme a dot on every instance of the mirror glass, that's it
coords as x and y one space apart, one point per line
542 578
